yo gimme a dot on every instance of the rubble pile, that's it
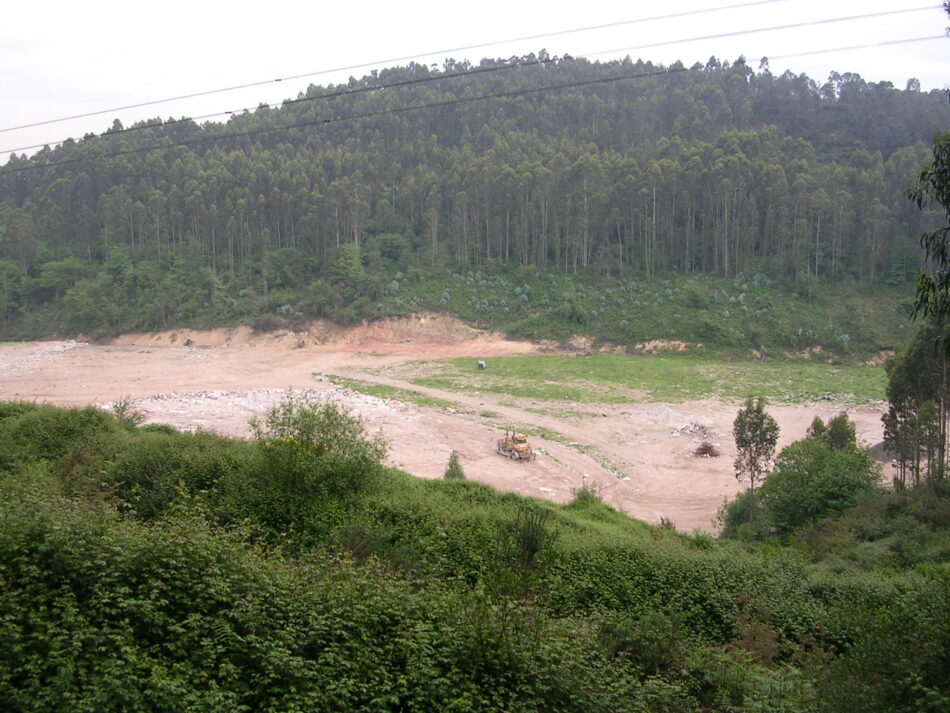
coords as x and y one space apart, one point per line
200 409
40 352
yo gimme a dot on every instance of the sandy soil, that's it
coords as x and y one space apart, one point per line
638 455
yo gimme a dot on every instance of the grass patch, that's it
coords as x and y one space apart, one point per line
384 391
613 378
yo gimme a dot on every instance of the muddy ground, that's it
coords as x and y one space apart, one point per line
640 455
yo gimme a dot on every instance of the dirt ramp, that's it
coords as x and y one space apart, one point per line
385 336
220 337
414 329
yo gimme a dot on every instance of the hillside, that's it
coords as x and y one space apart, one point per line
614 176
144 568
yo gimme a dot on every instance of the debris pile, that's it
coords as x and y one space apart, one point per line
39 352
198 409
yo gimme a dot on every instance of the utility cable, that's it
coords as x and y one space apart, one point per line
417 107
393 60
330 95
791 26
527 63
332 120
869 45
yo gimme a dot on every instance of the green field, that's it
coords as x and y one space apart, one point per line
612 378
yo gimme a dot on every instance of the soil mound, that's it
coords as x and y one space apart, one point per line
435 329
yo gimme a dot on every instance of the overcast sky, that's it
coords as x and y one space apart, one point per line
62 58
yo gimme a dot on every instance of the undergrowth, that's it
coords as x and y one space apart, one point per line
149 569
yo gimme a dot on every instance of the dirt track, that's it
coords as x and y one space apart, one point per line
639 455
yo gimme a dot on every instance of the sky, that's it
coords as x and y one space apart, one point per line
61 58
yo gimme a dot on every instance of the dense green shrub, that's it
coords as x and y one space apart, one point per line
901 653
453 471
307 458
813 480
409 594
102 615
48 433
156 469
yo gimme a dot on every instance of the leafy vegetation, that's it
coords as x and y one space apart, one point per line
453 471
755 433
933 187
918 394
147 569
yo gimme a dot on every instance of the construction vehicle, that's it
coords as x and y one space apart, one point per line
515 446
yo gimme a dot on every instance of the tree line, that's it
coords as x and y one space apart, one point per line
629 168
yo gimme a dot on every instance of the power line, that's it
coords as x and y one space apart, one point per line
392 60
332 120
791 26
331 95
417 107
869 45
522 63
474 71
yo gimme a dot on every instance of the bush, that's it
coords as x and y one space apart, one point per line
812 480
453 470
706 450
48 433
840 432
125 412
157 468
306 456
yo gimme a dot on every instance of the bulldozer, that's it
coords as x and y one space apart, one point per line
515 446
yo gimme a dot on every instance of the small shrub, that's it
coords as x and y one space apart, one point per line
656 643
840 432
453 470
48 433
706 450
524 540
125 412
587 494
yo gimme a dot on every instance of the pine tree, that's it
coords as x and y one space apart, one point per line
453 470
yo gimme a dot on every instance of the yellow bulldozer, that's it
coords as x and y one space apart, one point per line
515 446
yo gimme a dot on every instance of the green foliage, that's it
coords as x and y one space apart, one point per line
46 433
901 653
426 594
817 429
840 433
125 413
587 497
525 542
157 470
933 285
755 433
655 643
895 530
453 471
307 456
918 394
342 221
812 480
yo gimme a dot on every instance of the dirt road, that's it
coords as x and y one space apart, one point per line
638 455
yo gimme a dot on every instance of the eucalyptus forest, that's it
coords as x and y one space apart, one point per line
616 170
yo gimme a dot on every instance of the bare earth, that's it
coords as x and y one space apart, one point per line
638 454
